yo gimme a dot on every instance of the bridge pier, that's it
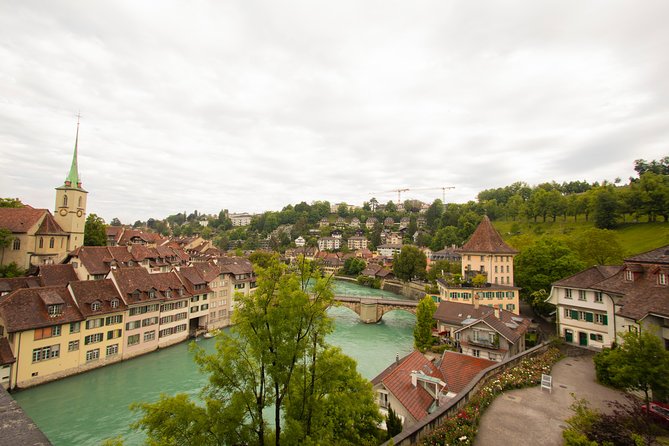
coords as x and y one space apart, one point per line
372 310
369 313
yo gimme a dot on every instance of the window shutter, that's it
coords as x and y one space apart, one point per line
593 337
589 317
574 314
605 320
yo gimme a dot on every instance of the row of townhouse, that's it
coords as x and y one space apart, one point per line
596 305
54 328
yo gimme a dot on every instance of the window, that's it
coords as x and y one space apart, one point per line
492 356
133 325
52 241
16 245
195 298
149 321
111 320
581 294
476 353
510 307
204 307
482 258
113 334
149 336
633 329
41 242
80 201
662 279
93 339
93 355
194 309
75 327
133 340
596 337
601 319
73 346
112 350
507 270
47 332
172 330
495 268
95 323
152 294
567 293
44 353
55 310
598 297
114 303
168 293
629 276
95 306
567 313
64 200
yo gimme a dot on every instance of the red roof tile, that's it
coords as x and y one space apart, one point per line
104 292
486 239
20 220
25 309
459 369
59 275
6 355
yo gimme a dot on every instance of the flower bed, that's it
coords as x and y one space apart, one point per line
461 428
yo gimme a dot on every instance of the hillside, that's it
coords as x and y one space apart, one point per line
635 238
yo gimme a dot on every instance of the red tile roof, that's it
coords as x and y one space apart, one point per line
15 283
6 355
397 380
87 292
26 308
20 220
589 277
49 226
486 239
58 274
459 369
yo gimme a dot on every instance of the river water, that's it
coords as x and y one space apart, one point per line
85 409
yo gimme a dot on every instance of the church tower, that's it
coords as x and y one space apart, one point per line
70 211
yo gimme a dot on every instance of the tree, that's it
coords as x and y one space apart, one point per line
410 263
275 358
605 207
640 364
598 247
433 214
12 270
391 207
422 332
116 222
6 239
544 262
479 280
10 203
393 423
353 266
95 233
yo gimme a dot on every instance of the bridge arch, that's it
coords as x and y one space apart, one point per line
371 311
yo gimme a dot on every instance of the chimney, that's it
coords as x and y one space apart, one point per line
414 378
476 301
498 314
397 358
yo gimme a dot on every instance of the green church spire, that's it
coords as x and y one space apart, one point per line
73 179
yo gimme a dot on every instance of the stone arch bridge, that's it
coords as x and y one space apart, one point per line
372 310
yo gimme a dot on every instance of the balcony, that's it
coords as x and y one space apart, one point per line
485 343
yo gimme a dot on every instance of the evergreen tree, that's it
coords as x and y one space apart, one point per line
422 332
393 423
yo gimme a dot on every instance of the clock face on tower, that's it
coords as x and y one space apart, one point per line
63 212
80 213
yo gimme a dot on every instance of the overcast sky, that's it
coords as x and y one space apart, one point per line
252 105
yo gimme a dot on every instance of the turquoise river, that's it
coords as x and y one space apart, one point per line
88 408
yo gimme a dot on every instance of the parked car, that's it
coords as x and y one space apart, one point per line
660 412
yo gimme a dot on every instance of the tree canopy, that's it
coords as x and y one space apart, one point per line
275 358
95 233
422 332
410 263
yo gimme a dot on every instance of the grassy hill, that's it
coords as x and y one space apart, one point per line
635 238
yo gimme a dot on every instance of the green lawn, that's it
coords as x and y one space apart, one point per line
635 238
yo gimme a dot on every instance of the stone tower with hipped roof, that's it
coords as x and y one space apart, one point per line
486 253
70 210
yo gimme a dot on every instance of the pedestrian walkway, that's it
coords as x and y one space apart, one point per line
536 417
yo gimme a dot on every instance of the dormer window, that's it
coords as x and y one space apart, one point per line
95 306
55 310
114 303
662 279
168 293
181 291
135 294
629 276
152 294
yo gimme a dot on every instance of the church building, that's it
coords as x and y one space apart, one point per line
39 237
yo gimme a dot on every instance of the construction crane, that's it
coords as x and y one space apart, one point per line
443 190
399 193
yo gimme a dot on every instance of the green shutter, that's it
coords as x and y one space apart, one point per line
589 317
605 320
574 314
593 337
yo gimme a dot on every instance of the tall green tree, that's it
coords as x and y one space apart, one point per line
422 332
353 266
640 364
10 203
275 355
94 231
410 263
544 262
606 207
393 423
598 247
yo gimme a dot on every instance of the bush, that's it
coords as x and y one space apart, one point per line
603 361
